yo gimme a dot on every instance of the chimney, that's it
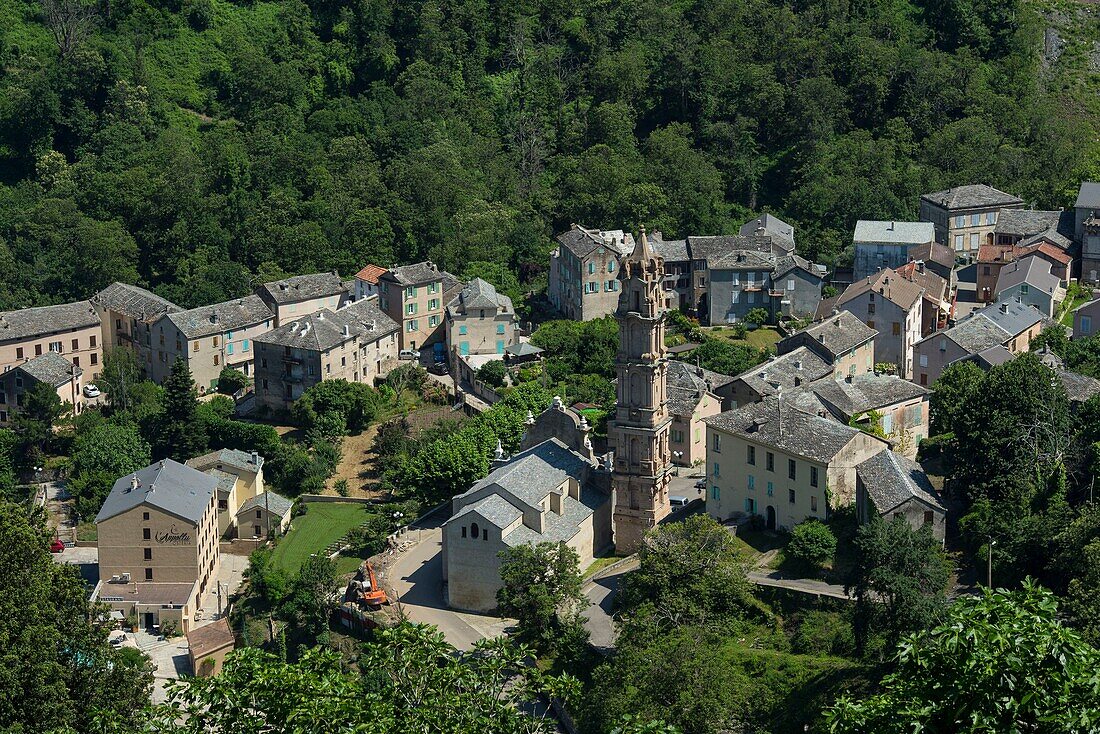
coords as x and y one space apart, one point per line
134 483
255 458
798 364
797 381
213 317
891 227
848 379
1004 308
320 315
821 338
347 330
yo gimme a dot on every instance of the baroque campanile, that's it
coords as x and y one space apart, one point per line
639 432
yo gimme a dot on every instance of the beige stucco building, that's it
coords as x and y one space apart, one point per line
691 398
299 295
480 320
414 296
965 217
52 369
158 543
210 338
127 314
357 343
69 329
840 339
782 463
240 477
893 306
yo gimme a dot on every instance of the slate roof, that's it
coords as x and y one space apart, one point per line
799 366
278 504
51 368
933 252
990 357
303 287
240 313
522 349
891 479
532 474
324 329
866 391
670 250
742 260
975 334
788 428
719 247
371 274
134 302
226 457
1035 271
786 263
1079 388
885 283
558 528
30 322
209 638
972 196
901 233
686 384
166 485
225 481
583 241
840 333
479 293
1025 222
934 286
1088 197
771 225
414 274
1016 317
494 509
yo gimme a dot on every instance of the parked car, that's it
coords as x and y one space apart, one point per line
678 502
91 391
701 484
56 546
409 354
439 368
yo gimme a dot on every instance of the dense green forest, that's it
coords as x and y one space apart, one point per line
198 145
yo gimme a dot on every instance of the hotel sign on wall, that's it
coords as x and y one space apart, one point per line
173 537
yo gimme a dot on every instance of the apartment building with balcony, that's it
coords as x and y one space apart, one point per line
965 217
127 314
584 271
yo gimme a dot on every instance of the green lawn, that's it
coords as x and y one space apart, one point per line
762 338
1067 312
323 524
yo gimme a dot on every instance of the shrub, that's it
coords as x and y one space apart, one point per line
492 373
231 380
812 543
757 316
341 487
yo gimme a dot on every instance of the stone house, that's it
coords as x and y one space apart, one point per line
772 226
678 269
413 296
583 280
893 305
750 278
841 340
894 486
880 245
70 329
240 477
1027 227
52 369
357 343
901 406
546 493
480 321
209 339
1086 319
1010 325
691 398
939 299
127 314
991 258
937 258
773 460
294 297
158 544
965 217
366 282
265 515
1087 229
1029 281
793 369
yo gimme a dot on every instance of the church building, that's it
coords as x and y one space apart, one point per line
556 488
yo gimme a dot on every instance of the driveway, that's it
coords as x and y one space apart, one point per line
601 591
416 576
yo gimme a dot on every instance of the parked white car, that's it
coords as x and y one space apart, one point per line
91 391
409 354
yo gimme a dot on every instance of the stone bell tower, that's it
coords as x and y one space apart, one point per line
639 432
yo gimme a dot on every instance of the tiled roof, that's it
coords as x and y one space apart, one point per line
167 485
787 428
303 287
240 313
325 329
795 368
687 383
479 294
51 368
934 286
532 474
972 196
867 391
1035 271
1089 196
933 252
582 241
840 333
414 274
209 638
770 225
887 284
719 247
134 302
901 233
370 274
30 322
275 503
493 509
226 457
891 479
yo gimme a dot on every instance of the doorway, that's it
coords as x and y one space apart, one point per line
147 620
771 518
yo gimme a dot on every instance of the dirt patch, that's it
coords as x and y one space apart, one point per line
358 465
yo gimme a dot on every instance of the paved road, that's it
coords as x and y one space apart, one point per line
601 592
417 577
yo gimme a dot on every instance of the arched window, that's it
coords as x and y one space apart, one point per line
474 530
